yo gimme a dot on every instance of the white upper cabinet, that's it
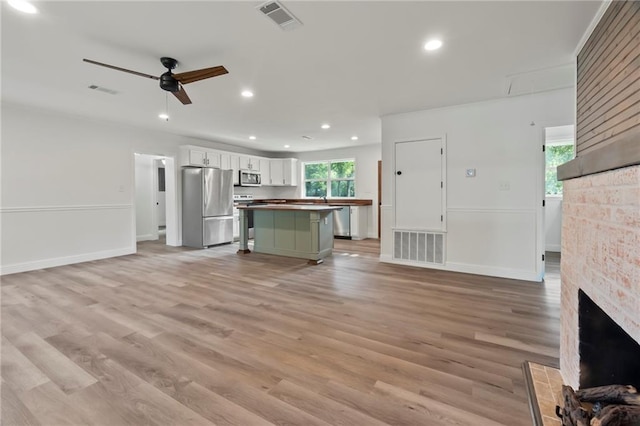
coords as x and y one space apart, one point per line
277 172
225 161
290 171
249 163
273 171
284 172
198 156
234 163
265 171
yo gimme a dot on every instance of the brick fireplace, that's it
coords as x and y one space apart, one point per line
601 206
600 256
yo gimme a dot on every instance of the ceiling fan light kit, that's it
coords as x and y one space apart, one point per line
173 82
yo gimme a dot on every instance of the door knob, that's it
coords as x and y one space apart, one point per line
398 173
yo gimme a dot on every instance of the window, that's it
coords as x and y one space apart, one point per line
556 155
332 179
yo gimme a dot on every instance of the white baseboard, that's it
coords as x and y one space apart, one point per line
146 237
67 260
490 271
553 247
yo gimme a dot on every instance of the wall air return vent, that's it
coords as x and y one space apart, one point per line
419 247
281 16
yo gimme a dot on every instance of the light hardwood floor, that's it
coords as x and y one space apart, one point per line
174 336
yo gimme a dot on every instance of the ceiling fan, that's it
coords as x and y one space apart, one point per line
173 82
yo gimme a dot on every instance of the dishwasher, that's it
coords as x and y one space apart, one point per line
342 222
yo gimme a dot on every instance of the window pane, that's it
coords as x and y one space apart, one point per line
342 169
343 188
315 189
316 171
555 155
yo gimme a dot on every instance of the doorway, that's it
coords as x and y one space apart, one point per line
161 201
559 148
155 199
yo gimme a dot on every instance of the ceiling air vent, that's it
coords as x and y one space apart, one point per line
281 16
103 89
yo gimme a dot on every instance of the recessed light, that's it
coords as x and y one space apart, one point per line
354 138
247 94
163 116
23 6
253 138
287 146
434 44
325 126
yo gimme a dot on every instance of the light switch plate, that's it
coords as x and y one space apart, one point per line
470 173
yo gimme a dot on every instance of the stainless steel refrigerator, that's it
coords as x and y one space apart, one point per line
207 206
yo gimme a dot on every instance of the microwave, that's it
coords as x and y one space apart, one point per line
249 178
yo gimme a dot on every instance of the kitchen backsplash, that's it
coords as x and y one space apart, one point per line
267 191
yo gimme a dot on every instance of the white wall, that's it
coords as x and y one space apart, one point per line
366 157
553 223
490 231
68 186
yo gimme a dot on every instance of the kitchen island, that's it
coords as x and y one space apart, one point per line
302 231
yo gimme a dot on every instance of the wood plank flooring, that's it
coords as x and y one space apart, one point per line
175 336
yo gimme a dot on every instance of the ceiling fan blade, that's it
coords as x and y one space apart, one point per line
182 96
197 75
122 69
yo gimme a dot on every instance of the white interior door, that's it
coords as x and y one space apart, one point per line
419 185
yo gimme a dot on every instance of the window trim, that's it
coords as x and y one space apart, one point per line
328 180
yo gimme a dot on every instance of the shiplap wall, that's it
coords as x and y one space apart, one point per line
608 85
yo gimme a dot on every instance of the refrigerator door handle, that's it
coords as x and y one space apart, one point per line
206 191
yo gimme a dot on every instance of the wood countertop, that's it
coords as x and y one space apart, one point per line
291 207
307 201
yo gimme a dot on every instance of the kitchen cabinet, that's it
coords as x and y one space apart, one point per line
236 224
249 163
234 164
225 161
198 156
273 171
359 222
265 171
351 222
284 172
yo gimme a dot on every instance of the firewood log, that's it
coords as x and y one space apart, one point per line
573 414
613 394
618 415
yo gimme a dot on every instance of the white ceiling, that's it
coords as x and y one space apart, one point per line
349 64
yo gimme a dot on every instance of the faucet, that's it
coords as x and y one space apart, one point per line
324 198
